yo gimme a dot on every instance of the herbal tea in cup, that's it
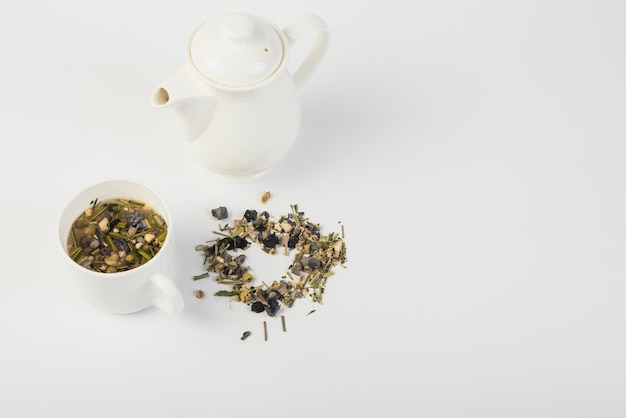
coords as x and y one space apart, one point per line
116 235
117 243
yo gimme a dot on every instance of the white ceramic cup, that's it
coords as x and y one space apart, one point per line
132 290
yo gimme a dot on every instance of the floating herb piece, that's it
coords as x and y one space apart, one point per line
265 329
245 335
282 320
199 293
315 257
265 197
116 235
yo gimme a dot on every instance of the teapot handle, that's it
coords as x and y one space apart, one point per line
297 30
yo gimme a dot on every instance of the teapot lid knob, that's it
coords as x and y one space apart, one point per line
236 50
238 27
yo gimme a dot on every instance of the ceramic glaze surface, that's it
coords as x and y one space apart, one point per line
236 50
246 151
127 291
238 105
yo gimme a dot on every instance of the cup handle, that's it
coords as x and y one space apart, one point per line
297 30
167 297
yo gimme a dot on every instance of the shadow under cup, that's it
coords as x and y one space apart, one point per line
127 291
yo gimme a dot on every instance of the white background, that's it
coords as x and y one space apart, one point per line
473 151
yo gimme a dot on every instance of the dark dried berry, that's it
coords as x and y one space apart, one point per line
313 263
220 213
121 244
234 243
227 243
271 241
250 215
241 242
259 224
134 218
272 307
313 229
257 307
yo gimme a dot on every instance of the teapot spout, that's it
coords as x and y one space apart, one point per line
192 101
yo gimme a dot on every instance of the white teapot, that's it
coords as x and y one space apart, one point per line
239 106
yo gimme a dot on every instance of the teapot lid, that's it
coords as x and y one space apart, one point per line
235 50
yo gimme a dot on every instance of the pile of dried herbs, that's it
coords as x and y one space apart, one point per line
315 257
116 235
